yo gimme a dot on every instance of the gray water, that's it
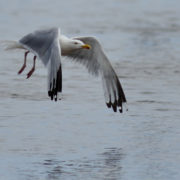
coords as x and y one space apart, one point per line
78 137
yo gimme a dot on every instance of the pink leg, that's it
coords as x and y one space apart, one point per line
33 68
24 65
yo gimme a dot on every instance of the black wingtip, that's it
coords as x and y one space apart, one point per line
108 104
121 110
119 97
114 106
56 86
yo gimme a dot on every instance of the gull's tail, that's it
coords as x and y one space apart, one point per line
11 45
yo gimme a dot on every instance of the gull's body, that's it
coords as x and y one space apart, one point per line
49 46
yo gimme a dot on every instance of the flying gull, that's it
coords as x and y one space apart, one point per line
50 45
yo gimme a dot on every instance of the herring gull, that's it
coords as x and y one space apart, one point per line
49 45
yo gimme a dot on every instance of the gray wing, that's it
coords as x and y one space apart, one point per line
97 62
45 45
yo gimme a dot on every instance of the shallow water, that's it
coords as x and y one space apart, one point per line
78 137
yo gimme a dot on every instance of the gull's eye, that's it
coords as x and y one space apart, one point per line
75 43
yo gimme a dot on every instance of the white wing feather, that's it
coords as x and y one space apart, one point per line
97 62
45 45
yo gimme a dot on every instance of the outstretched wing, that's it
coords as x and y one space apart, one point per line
45 45
97 62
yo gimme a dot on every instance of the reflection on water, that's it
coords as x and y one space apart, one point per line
107 165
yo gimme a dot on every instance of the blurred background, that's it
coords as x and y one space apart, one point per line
78 137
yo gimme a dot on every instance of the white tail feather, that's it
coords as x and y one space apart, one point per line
11 45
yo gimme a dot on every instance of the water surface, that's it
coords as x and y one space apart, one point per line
78 137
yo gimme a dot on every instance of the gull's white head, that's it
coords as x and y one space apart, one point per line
68 45
77 44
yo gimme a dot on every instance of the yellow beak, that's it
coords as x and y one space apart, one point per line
86 46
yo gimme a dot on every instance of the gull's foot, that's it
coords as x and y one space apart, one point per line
24 65
33 68
30 73
22 69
